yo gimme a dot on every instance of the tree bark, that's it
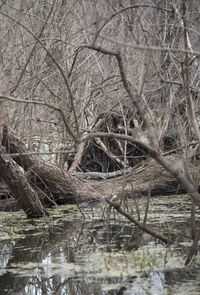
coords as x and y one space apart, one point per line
26 197
56 186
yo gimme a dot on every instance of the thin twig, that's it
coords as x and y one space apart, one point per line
125 9
54 61
150 48
38 102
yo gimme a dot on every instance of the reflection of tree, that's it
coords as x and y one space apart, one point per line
33 249
71 242
68 240
5 249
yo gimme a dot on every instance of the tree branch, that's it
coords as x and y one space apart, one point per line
140 225
54 61
150 48
38 102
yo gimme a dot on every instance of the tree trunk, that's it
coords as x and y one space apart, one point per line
56 186
26 197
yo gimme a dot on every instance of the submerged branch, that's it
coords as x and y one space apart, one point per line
140 225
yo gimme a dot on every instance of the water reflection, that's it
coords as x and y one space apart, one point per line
90 256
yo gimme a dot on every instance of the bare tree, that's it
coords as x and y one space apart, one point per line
70 64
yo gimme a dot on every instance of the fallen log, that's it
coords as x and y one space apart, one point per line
25 195
101 175
53 184
56 186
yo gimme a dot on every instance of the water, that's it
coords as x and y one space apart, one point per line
85 252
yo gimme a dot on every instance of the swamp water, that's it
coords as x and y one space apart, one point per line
88 251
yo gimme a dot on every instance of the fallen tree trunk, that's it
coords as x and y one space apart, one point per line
55 186
25 195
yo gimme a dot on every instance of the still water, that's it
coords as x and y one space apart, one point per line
93 250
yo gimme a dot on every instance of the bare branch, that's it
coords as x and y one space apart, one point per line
150 48
140 225
125 9
190 102
56 64
33 49
38 102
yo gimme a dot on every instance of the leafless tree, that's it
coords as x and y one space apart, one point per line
67 63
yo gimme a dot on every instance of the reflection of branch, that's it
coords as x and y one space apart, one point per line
39 246
140 225
194 248
38 102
